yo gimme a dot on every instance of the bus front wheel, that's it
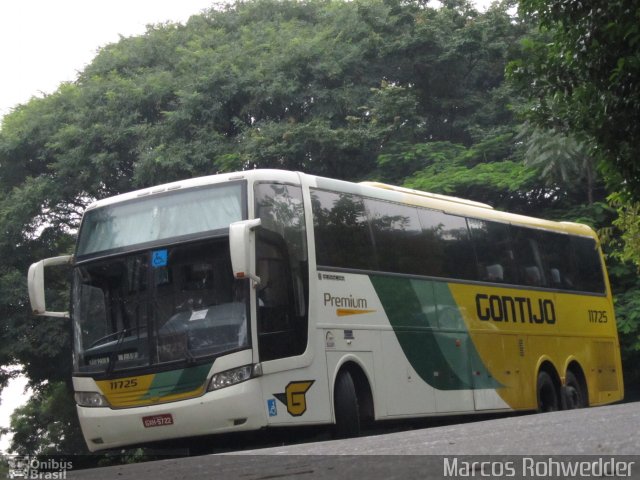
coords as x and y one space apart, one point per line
346 407
547 394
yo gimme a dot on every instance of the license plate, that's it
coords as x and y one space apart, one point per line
157 420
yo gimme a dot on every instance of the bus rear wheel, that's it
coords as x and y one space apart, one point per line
346 407
574 393
547 393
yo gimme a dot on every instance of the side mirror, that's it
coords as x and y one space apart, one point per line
240 242
36 285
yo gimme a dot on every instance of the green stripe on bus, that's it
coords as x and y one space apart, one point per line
432 333
175 382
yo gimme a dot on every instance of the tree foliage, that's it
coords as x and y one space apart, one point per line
565 162
47 424
490 171
582 75
624 233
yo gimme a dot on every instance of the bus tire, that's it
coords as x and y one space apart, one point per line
574 394
547 393
346 407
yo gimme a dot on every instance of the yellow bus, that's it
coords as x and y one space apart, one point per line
271 298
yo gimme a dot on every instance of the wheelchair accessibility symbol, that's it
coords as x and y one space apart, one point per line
272 408
159 258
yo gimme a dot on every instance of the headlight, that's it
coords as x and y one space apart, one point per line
234 376
90 399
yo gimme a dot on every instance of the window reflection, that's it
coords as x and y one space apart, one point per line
355 232
282 266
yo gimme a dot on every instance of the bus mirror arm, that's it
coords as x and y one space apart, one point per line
36 285
240 242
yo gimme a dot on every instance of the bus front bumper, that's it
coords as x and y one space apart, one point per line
231 409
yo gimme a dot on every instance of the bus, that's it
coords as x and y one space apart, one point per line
270 298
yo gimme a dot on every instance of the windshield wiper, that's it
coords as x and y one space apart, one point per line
113 357
104 339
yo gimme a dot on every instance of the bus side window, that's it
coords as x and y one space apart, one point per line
587 265
342 231
448 245
274 289
397 237
527 244
555 251
495 253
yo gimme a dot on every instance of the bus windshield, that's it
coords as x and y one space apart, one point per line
177 213
179 303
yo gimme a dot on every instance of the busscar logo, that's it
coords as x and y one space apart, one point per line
294 397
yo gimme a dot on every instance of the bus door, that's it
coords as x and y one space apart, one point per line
282 298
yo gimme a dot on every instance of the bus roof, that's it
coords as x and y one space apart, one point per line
427 194
449 204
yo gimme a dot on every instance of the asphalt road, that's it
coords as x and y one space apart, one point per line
438 452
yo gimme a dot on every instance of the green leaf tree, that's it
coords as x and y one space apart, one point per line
581 76
565 162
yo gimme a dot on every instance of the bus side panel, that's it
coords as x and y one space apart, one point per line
505 363
555 327
350 324
430 334
294 389
607 373
593 319
297 396
405 391
449 347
